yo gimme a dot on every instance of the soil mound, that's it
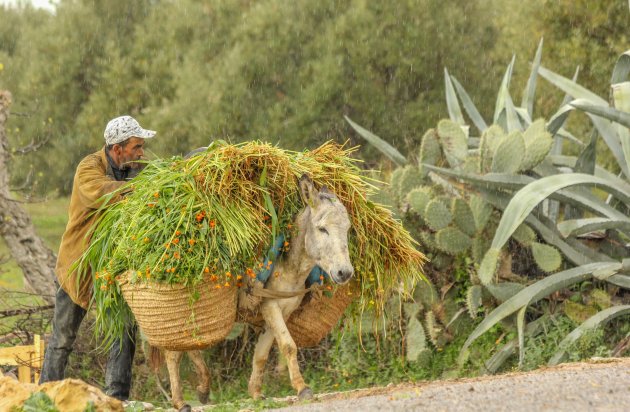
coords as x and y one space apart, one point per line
68 395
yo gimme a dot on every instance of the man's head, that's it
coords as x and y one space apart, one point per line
124 138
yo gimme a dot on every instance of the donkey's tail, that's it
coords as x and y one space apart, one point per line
156 358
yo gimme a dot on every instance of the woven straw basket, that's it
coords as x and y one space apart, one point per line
316 317
169 320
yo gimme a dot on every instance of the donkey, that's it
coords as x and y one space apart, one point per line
322 240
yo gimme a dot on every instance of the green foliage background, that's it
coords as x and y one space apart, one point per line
195 71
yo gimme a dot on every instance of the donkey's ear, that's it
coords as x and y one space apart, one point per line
307 190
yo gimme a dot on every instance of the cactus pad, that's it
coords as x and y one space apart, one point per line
411 178
538 142
430 151
509 154
481 211
436 215
488 266
463 216
454 142
418 198
452 240
473 300
524 235
547 257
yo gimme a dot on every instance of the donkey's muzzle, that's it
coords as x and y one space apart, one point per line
342 276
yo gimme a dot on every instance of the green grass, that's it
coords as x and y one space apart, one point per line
50 219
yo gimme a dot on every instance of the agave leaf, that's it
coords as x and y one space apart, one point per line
503 91
454 111
557 143
586 160
591 323
512 118
504 290
524 117
577 253
576 227
532 294
585 96
606 112
528 197
617 116
520 326
571 161
570 87
387 149
575 197
469 106
493 364
530 88
622 68
620 280
621 100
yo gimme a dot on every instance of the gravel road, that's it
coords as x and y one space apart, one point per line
598 385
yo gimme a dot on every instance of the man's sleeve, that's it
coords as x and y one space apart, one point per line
93 183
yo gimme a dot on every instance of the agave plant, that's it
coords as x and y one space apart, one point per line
548 202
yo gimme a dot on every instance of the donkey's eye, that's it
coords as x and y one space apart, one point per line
323 230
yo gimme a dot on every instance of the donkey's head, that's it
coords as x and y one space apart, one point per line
326 225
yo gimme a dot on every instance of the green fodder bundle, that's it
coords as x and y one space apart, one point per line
214 216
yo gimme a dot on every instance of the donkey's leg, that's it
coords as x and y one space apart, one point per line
203 374
275 321
261 353
172 363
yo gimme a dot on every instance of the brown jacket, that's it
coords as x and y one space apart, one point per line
93 179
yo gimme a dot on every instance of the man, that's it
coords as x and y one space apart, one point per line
97 174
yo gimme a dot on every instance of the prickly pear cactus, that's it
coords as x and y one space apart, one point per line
547 257
454 142
508 154
452 241
538 142
430 150
463 216
437 215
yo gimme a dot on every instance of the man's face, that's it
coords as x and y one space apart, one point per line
129 153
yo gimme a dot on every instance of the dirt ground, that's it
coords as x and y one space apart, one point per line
597 385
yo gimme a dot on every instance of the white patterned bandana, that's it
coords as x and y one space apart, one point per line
122 128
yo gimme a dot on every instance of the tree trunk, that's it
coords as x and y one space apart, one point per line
35 259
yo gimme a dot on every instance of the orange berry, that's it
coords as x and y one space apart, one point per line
239 277
192 242
227 284
176 240
156 194
206 270
213 223
177 233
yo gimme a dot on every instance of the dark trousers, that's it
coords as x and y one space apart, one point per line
66 322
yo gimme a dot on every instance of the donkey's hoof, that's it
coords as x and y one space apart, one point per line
203 397
185 408
305 394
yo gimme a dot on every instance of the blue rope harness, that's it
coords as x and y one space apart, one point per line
314 277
